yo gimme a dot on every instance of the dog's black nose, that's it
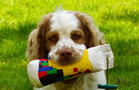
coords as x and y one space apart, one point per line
66 53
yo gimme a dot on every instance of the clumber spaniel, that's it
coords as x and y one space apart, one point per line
63 36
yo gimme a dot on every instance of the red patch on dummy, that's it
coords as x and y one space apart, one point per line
46 66
87 70
42 74
43 59
75 69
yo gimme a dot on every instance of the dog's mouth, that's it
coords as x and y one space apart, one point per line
66 55
67 61
69 81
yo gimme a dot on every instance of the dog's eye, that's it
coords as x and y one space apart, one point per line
53 39
76 36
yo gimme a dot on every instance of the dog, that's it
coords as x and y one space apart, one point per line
63 36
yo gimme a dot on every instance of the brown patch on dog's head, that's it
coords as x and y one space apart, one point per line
92 35
78 36
37 41
43 28
51 39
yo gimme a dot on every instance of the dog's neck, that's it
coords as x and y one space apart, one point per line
80 83
72 84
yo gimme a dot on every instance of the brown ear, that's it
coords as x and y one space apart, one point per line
92 34
37 40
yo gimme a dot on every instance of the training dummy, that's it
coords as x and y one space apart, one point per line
43 72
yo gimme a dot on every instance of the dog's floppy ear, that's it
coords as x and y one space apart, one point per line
92 34
37 40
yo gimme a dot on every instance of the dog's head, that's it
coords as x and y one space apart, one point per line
63 36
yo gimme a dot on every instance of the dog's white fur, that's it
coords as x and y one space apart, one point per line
64 22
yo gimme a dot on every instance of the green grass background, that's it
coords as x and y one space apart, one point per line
118 19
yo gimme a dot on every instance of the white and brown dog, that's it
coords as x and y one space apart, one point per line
63 36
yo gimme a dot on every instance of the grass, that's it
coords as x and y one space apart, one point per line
118 19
